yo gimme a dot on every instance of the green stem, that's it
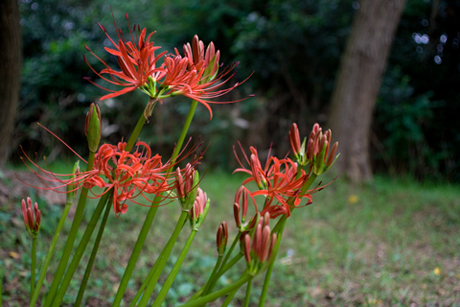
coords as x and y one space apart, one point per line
150 215
215 295
213 274
34 264
227 267
172 275
162 261
270 267
229 297
146 281
44 268
135 134
222 266
89 266
70 239
80 249
183 134
135 254
232 247
248 292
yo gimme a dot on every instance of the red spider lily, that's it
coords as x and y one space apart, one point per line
129 174
279 180
196 74
136 59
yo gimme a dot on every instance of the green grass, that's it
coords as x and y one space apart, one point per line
392 243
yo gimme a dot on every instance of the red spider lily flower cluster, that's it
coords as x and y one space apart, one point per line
127 175
136 59
195 75
317 151
260 249
279 181
31 216
222 238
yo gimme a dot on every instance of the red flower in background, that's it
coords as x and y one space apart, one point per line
136 59
279 181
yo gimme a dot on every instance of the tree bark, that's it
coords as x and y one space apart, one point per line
10 72
358 83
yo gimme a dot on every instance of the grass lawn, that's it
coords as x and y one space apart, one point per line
389 243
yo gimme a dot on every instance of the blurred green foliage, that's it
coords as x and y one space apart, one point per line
293 47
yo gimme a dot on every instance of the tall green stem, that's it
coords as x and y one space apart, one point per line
172 275
70 239
215 295
215 277
225 268
80 249
34 264
146 281
229 298
44 268
279 227
268 274
248 293
167 251
213 274
135 134
150 216
183 134
89 266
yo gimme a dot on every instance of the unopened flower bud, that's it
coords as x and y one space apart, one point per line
32 223
332 157
241 197
255 168
294 139
191 188
199 209
93 127
222 238
236 214
247 248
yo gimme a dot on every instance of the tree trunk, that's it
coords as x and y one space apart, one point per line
10 71
358 83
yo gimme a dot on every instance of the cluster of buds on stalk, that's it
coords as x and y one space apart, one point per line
258 245
199 209
93 127
241 205
222 238
32 217
187 186
316 151
196 55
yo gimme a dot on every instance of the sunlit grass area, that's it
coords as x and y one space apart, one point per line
388 243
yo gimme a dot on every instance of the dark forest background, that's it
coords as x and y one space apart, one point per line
294 49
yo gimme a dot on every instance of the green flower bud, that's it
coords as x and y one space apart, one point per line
93 127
